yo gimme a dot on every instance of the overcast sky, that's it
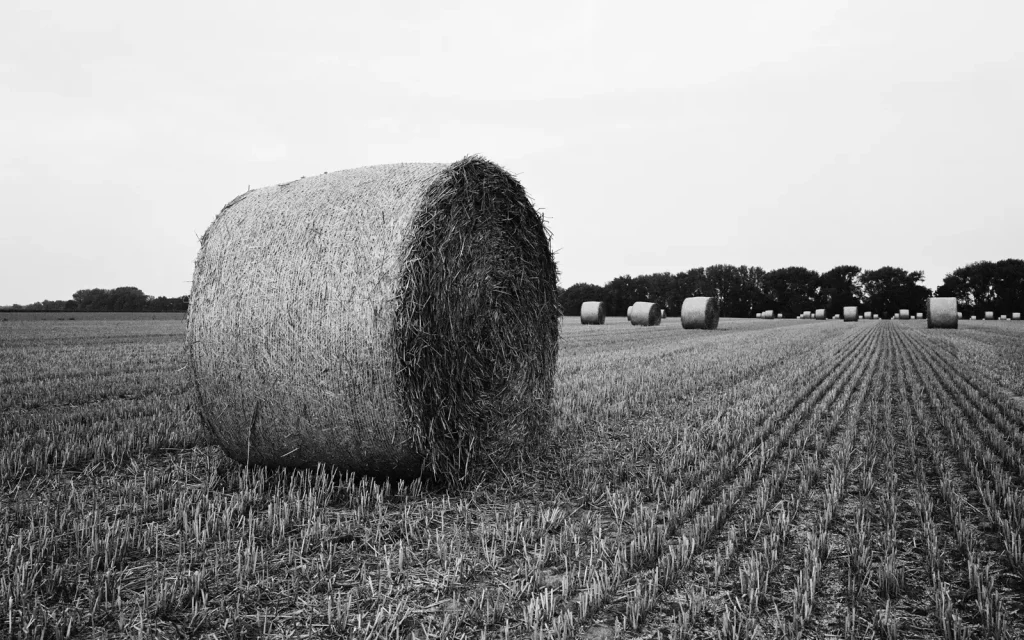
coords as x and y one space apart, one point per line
654 137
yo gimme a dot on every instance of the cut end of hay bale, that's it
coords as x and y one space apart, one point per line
393 320
592 313
849 314
942 314
700 313
645 314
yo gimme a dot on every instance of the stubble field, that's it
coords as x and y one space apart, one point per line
770 479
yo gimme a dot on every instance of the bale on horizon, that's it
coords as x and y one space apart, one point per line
990 315
941 313
700 313
592 312
904 314
629 310
769 314
819 314
645 314
394 320
849 314
1016 316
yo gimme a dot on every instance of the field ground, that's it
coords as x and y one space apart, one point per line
770 479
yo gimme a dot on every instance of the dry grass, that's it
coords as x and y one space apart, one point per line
700 313
389 320
942 313
645 314
592 313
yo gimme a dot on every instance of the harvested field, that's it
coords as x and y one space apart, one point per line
699 484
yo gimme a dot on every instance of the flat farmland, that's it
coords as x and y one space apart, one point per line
774 478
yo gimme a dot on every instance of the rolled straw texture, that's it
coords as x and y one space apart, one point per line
941 313
394 320
700 313
592 313
904 314
849 314
645 314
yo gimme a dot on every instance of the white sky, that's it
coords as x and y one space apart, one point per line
654 137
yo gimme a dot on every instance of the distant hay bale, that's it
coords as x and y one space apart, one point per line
592 313
700 313
769 314
941 313
664 314
394 320
960 315
1002 317
868 315
645 314
849 314
819 314
904 314
1016 316
919 316
835 317
990 315
629 310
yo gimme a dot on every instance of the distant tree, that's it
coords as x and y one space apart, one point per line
840 287
573 297
889 289
792 290
623 291
986 286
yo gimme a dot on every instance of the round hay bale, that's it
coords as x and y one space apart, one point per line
919 316
849 314
629 310
700 313
664 314
941 313
592 313
394 320
904 314
769 314
645 314
868 315
1016 316
990 315
819 314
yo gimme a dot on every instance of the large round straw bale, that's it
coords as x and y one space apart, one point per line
849 314
629 310
990 315
700 313
819 314
645 314
904 314
941 313
1016 316
769 314
960 315
919 316
592 313
391 320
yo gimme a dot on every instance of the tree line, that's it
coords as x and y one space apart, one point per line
745 291
119 299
